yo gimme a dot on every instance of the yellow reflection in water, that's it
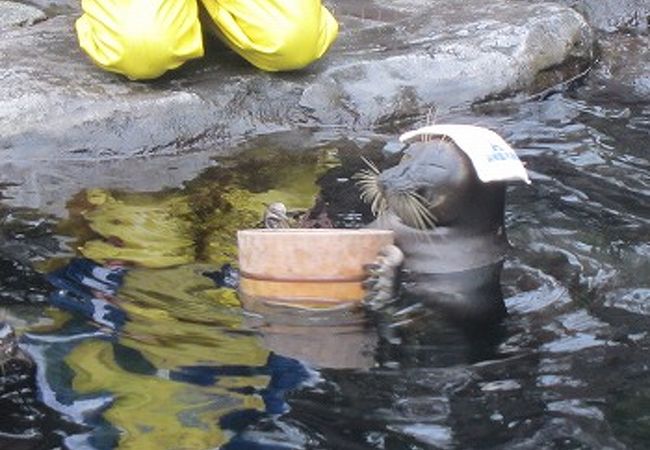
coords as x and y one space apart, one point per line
153 412
221 225
147 230
199 222
177 318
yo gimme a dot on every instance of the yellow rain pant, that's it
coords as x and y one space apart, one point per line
142 39
274 34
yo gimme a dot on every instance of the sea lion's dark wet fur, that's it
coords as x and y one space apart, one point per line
455 266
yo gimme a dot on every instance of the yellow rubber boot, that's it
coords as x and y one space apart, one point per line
274 35
141 39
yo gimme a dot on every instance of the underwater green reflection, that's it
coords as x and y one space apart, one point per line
200 221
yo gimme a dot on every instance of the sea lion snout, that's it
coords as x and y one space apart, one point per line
392 181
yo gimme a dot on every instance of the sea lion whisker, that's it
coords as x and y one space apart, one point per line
411 210
429 225
371 165
416 212
419 196
367 188
401 203
368 185
374 206
378 204
401 207
420 204
426 205
383 205
423 220
364 174
367 181
420 232
427 216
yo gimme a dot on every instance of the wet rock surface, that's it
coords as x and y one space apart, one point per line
390 66
447 58
54 7
389 62
621 70
614 15
623 73
18 15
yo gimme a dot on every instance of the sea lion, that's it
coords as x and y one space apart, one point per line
445 201
448 223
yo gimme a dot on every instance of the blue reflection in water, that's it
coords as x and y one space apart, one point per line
90 291
83 288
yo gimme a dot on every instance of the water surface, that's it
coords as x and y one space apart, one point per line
135 347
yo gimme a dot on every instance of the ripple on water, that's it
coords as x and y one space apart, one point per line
438 436
636 301
188 366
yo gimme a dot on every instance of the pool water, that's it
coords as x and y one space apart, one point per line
134 345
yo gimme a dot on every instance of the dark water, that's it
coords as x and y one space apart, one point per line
150 354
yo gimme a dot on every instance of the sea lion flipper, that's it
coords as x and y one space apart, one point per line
381 283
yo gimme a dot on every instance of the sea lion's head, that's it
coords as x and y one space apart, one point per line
433 185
